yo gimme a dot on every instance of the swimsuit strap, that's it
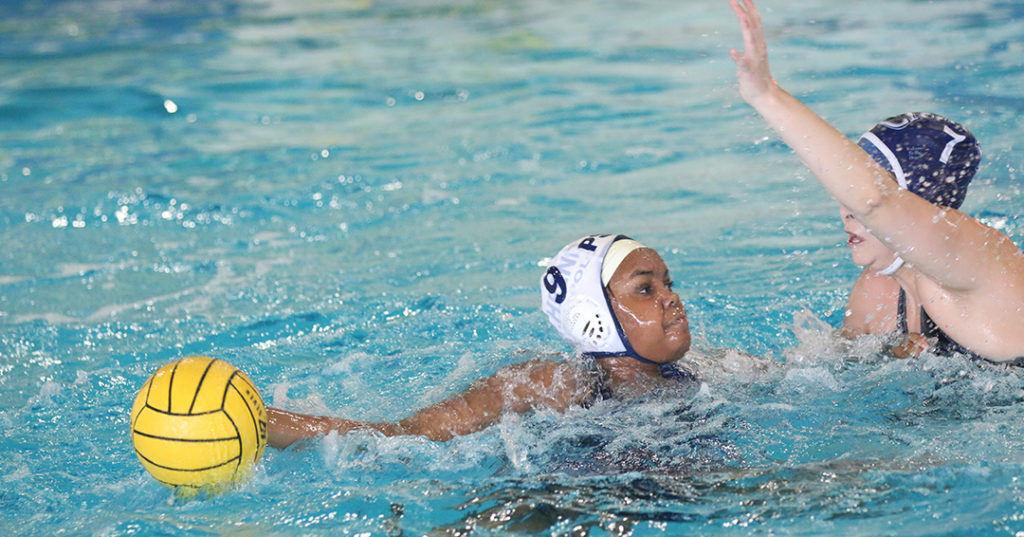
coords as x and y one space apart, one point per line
599 390
670 371
901 312
944 345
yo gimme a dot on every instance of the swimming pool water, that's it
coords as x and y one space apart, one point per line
350 201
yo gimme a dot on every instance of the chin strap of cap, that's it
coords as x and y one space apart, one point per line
669 370
674 372
891 269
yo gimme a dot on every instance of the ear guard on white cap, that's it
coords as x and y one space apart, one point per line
588 323
573 297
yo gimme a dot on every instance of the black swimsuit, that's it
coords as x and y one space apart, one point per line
939 342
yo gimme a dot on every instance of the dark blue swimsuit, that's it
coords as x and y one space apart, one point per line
670 371
943 344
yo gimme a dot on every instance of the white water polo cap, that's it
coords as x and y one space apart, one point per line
574 299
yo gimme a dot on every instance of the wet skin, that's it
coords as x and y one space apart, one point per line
866 250
649 311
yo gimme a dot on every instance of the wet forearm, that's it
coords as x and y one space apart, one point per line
472 410
284 428
849 174
517 388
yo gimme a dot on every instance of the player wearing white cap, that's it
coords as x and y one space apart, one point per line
610 297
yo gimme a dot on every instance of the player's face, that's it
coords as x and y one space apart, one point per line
865 249
649 311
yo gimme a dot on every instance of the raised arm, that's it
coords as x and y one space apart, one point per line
518 388
925 235
843 168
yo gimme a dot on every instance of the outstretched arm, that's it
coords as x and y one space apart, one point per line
927 236
518 388
843 168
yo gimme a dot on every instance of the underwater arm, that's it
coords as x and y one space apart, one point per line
284 427
518 388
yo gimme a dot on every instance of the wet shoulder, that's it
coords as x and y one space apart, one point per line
552 383
871 307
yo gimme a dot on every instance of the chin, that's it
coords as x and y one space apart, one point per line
858 261
681 352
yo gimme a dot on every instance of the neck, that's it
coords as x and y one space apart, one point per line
906 276
893 268
628 371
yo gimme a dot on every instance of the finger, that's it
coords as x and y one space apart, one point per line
741 17
753 32
748 25
736 56
741 13
752 10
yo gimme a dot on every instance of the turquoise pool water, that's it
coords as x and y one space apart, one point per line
350 200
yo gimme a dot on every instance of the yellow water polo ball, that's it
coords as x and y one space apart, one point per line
198 421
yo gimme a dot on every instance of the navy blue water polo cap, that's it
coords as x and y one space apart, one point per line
930 155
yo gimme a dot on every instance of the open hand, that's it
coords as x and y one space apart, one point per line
754 76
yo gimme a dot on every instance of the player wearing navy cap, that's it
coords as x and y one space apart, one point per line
962 283
930 155
935 158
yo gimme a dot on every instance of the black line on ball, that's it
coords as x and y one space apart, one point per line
227 386
231 419
229 461
168 413
170 384
199 386
248 382
189 440
252 417
147 387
